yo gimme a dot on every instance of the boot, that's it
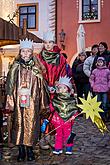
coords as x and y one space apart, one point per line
30 153
22 153
44 143
69 150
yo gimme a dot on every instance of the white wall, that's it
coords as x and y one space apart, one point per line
6 7
9 6
43 15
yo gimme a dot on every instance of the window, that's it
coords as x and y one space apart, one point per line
30 13
89 11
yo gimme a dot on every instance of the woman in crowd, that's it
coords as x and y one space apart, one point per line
80 78
103 52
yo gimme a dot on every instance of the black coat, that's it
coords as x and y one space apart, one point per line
78 73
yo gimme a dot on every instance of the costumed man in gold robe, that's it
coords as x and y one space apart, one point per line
27 98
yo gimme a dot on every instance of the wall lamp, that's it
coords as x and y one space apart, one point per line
62 35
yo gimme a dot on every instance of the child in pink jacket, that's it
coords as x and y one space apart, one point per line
63 108
100 83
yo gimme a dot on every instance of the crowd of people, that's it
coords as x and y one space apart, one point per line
40 95
92 73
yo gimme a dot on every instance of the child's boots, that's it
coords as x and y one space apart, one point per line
69 150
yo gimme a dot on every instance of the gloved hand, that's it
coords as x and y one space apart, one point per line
44 125
51 89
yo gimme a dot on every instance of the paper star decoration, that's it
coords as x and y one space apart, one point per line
100 124
91 108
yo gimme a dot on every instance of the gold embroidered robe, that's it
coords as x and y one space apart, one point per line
26 121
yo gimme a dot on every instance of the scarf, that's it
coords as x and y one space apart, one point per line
12 74
51 57
31 65
26 64
65 105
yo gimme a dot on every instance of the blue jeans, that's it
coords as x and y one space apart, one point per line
103 97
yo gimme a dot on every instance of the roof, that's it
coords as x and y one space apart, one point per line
10 34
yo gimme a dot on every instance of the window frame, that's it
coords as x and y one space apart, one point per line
36 14
89 21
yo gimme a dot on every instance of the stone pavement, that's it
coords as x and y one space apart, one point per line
90 148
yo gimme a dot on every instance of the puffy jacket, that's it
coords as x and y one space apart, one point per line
87 67
100 79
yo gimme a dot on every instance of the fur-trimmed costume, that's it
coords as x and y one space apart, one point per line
26 121
55 65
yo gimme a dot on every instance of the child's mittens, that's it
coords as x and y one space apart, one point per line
44 125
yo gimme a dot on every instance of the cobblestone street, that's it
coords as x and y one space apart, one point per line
90 148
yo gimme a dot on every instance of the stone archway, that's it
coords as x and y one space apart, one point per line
88 49
73 58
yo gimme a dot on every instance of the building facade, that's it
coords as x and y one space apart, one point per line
94 15
58 15
39 15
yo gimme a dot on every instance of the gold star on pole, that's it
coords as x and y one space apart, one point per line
91 108
100 124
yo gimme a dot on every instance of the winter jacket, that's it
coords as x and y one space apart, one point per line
87 67
100 79
78 73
